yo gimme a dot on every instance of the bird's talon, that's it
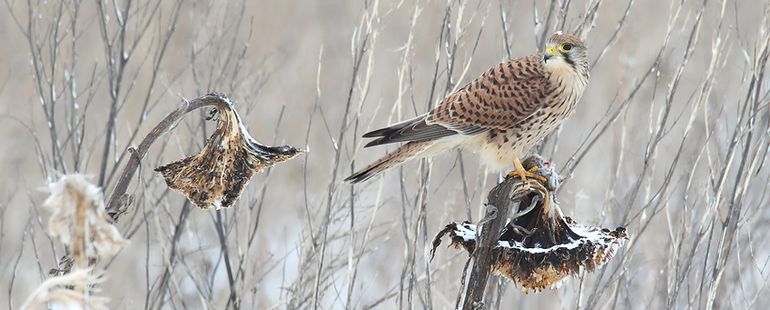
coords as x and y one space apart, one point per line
524 175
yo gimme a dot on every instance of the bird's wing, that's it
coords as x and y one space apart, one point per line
500 98
415 129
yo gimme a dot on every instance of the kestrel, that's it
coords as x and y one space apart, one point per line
501 114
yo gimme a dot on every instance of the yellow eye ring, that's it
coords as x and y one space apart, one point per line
565 47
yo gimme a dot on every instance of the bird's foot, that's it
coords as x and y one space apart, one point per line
523 175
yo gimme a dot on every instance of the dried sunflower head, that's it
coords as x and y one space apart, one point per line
540 247
217 175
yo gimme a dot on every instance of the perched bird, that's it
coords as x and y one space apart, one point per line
501 114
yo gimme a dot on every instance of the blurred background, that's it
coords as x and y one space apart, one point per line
670 140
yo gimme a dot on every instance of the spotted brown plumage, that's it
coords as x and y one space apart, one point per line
501 114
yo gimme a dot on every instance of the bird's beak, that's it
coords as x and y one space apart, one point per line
549 53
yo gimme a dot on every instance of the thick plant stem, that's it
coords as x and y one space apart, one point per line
498 210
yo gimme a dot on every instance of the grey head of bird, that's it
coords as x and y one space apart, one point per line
565 53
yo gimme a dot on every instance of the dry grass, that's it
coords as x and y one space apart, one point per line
670 141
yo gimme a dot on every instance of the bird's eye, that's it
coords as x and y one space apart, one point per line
566 47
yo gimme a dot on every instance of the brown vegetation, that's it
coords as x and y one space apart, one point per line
669 141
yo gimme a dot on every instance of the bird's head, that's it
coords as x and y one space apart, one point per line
566 52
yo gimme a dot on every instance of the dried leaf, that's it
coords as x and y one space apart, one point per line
217 175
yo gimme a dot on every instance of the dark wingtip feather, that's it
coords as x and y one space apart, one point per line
387 131
416 129
377 133
380 141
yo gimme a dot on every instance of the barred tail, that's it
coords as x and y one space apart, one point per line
400 155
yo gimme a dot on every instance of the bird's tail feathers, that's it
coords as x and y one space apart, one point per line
400 155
